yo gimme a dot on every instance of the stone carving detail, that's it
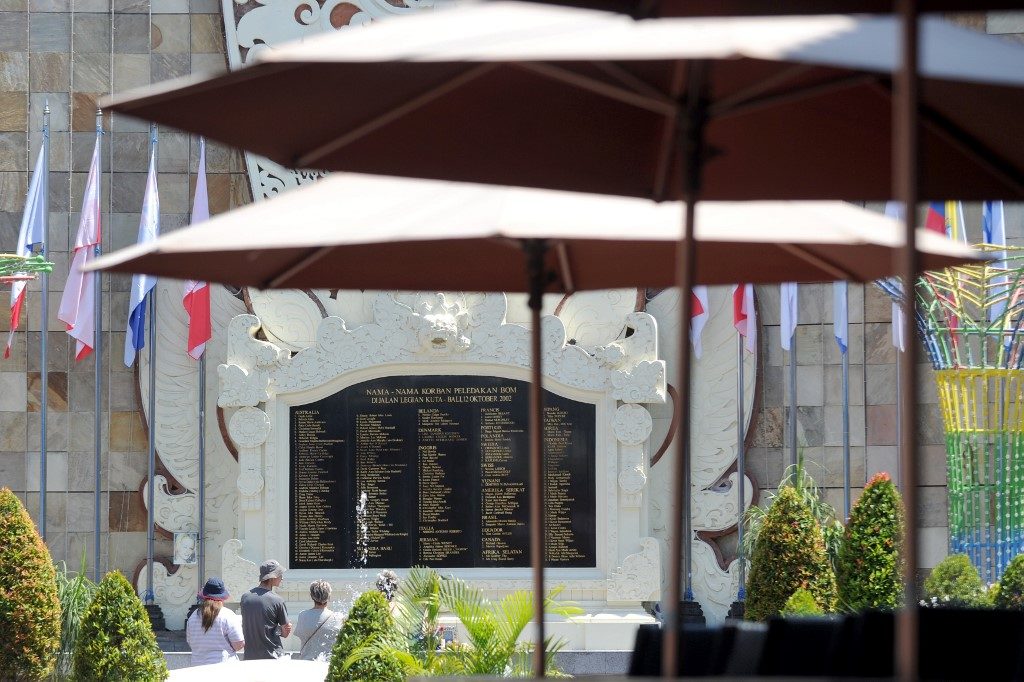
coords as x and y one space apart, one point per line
176 513
240 388
632 427
174 592
717 507
632 424
249 428
239 574
639 576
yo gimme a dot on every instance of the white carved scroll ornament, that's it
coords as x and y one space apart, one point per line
639 576
174 592
238 573
632 426
249 428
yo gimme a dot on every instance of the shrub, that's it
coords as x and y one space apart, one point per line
954 582
1009 592
869 558
368 620
801 603
29 610
75 592
115 639
789 554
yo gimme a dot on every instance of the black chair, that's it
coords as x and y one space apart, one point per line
745 642
969 644
799 647
696 651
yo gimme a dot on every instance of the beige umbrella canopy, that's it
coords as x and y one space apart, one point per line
731 8
374 232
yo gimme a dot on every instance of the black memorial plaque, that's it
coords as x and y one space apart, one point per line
443 461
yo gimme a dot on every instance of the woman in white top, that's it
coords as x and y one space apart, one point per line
214 632
317 628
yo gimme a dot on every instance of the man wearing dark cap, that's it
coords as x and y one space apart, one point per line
264 615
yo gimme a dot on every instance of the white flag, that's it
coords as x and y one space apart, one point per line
894 209
149 229
840 316
31 234
699 318
788 313
744 315
77 304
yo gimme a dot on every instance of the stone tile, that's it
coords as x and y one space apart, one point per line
932 469
50 6
140 434
13 114
13 431
878 348
13 152
56 431
883 458
56 471
934 544
207 34
81 468
834 497
809 384
131 71
83 146
127 192
83 109
127 469
881 384
220 190
833 376
174 195
57 354
204 7
811 302
209 63
91 72
929 427
881 424
173 153
810 426
82 511
12 5
92 33
927 392
131 154
12 470
833 463
877 305
121 431
932 509
122 391
12 392
12 191
56 510
834 425
769 430
170 6
131 6
13 30
127 512
59 158
16 362
833 356
57 543
82 431
171 33
167 66
772 386
50 33
241 195
13 71
766 297
131 34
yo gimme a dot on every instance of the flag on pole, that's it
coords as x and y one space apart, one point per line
744 316
993 229
196 297
934 219
31 234
840 316
787 313
699 318
77 304
149 228
894 209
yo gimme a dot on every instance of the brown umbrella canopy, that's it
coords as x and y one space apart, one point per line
356 231
733 8
795 108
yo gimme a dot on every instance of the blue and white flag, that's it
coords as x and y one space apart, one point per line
31 234
993 228
787 313
840 316
149 229
894 209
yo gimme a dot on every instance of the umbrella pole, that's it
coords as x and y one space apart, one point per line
692 119
905 128
535 251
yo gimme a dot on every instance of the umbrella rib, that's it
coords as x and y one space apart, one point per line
669 133
796 94
310 158
836 272
759 88
305 261
658 105
565 268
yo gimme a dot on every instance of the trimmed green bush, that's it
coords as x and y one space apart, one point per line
789 554
1009 592
115 639
29 610
801 603
369 620
955 582
869 558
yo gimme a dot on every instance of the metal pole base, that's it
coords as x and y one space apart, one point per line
690 613
156 617
737 611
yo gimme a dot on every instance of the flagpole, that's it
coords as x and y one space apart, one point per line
44 301
846 418
151 507
740 467
98 359
202 469
792 399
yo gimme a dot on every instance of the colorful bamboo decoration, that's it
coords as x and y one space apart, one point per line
970 320
15 268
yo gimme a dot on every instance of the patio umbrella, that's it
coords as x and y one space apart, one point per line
354 231
674 109
644 9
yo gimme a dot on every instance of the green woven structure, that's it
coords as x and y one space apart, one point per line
15 268
970 319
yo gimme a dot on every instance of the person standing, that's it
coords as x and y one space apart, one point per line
317 628
265 616
214 632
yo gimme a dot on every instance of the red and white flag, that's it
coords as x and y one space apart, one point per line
31 234
196 297
744 316
77 305
698 318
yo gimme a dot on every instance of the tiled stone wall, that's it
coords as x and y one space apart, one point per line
68 53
